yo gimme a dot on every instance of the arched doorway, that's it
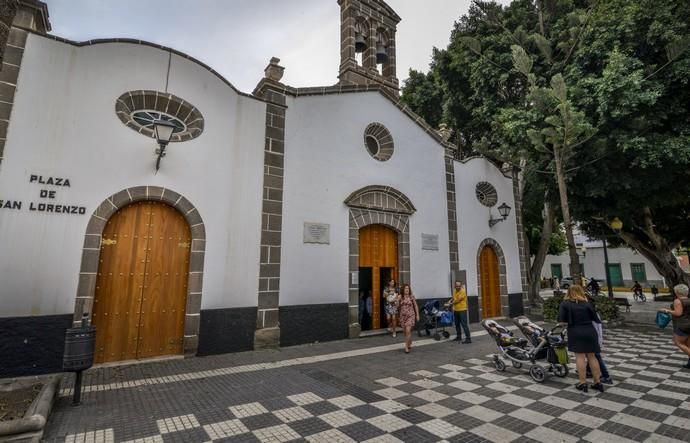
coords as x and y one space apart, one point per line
141 285
378 263
490 283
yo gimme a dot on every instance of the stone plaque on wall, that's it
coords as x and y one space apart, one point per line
319 233
430 242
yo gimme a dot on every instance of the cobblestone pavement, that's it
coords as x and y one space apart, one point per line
369 390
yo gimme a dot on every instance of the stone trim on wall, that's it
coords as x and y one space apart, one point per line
503 279
170 104
8 11
268 319
522 243
92 250
453 240
382 198
385 214
9 74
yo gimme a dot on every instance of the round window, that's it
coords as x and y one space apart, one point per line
139 110
378 141
486 194
148 118
372 145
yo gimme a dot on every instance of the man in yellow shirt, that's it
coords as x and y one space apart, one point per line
459 302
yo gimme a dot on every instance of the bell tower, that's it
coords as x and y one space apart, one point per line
367 43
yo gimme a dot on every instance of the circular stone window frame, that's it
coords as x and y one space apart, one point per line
380 135
164 103
486 194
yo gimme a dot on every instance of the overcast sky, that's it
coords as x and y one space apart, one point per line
238 37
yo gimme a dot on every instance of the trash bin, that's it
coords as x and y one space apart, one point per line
80 344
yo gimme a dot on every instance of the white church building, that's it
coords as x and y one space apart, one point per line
259 224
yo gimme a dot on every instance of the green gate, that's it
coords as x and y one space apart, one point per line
616 274
557 271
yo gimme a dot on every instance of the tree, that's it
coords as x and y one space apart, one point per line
599 87
633 73
485 103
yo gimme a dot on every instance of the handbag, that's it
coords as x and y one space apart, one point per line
662 319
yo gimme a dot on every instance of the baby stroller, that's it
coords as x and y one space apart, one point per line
437 319
520 351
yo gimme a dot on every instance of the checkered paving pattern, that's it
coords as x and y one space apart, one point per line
461 401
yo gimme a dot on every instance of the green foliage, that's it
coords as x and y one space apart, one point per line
557 244
551 306
606 307
610 77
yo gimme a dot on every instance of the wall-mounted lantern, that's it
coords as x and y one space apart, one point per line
503 210
164 131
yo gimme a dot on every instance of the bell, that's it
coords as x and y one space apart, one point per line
381 54
360 43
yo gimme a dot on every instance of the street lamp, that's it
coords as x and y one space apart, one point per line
503 210
164 131
616 225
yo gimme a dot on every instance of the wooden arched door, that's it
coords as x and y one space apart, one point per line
378 251
490 289
141 287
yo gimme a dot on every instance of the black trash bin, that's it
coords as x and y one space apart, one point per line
80 344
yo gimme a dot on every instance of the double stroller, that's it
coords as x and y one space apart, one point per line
539 345
436 318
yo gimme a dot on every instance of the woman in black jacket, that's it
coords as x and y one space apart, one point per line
583 340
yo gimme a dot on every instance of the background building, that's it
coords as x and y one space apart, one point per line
625 264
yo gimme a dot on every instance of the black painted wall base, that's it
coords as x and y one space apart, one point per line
32 345
473 307
515 305
311 323
226 330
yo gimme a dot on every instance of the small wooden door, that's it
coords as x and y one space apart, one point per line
378 248
141 287
491 294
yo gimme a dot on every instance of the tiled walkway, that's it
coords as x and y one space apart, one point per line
368 390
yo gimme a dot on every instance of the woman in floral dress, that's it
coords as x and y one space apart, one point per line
409 314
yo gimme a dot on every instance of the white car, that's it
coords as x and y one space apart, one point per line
567 281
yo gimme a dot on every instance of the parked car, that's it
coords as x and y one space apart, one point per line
566 282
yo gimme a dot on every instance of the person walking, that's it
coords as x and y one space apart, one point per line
392 299
680 315
605 376
655 292
579 314
409 314
460 317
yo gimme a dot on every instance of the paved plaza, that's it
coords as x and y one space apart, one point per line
369 390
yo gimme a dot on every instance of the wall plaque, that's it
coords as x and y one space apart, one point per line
430 242
319 233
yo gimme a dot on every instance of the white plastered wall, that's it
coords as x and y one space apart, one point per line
473 221
63 124
326 161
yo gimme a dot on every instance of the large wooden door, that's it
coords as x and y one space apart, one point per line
378 248
141 287
491 294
